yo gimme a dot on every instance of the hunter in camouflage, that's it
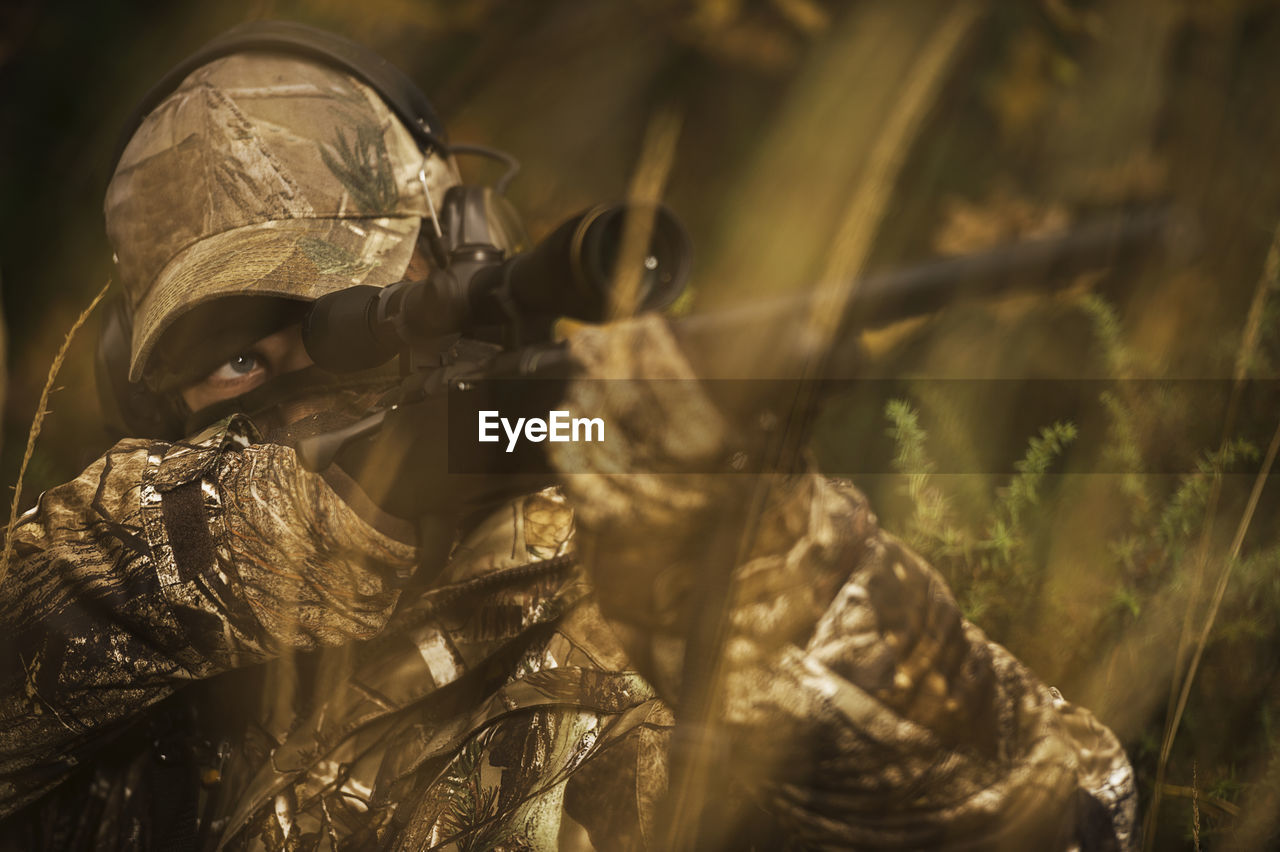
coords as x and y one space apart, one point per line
523 696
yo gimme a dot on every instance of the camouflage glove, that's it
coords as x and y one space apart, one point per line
647 528
631 492
859 705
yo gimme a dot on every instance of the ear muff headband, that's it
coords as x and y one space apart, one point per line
130 408
399 93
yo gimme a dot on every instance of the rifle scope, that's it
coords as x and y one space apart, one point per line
571 273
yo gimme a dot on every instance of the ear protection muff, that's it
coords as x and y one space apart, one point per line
131 408
128 408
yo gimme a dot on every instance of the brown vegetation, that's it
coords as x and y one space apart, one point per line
818 140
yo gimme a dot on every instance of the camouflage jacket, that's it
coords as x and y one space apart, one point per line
497 709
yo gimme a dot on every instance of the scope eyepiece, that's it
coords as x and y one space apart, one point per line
574 271
340 334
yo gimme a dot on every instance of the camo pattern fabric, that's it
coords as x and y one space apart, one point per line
891 721
501 711
162 564
499 708
497 711
896 723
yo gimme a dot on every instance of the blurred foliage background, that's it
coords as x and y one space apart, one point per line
814 140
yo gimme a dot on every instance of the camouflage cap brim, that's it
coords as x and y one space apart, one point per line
299 259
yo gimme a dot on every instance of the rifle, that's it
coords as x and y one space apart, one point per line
514 302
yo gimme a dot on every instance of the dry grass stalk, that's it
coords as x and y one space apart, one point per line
647 185
1220 589
42 408
870 200
1180 684
1195 806
857 229
1212 802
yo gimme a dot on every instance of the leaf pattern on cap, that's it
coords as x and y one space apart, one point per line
363 166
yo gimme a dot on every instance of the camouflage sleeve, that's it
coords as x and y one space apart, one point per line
864 710
895 723
164 563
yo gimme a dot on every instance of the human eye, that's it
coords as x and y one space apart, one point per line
238 367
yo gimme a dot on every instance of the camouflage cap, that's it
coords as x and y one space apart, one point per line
263 174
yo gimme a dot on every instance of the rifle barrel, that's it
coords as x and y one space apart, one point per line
1046 264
